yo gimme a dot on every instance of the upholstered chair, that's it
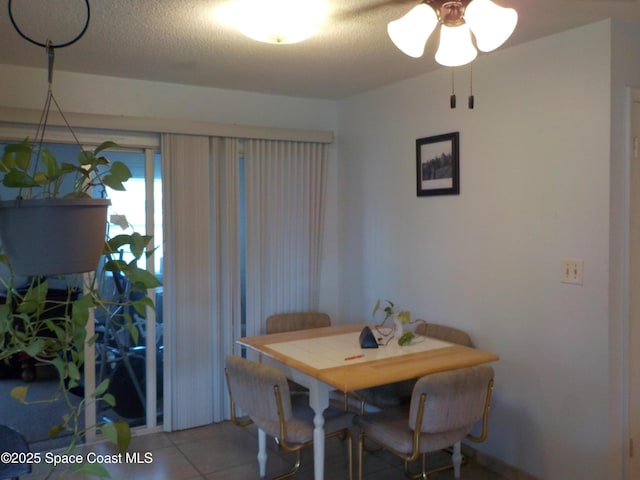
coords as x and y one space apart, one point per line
287 322
443 410
399 393
262 393
291 321
13 442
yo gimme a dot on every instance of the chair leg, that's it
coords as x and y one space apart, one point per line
423 474
350 453
457 460
342 434
262 452
292 471
423 471
360 453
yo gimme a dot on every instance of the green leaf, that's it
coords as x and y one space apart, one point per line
34 348
53 324
66 168
16 156
21 153
104 146
59 366
101 160
124 435
6 319
118 433
120 171
109 399
80 310
100 389
18 179
34 299
133 331
74 372
115 265
114 183
376 307
388 309
143 277
50 163
135 240
41 178
86 158
108 429
142 304
406 339
24 147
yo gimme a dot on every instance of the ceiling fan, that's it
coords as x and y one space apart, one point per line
292 21
460 21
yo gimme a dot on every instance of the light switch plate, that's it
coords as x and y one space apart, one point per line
572 271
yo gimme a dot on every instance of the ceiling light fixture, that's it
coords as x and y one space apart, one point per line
274 21
490 24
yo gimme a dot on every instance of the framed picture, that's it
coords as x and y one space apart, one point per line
438 165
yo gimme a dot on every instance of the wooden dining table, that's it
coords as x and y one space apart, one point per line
330 358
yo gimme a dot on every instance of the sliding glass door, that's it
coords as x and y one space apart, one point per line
131 361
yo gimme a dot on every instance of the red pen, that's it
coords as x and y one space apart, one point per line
354 357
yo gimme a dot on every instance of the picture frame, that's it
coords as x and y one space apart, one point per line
438 165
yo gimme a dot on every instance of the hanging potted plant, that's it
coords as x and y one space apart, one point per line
53 332
39 238
53 226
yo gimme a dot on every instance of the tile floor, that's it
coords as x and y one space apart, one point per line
227 452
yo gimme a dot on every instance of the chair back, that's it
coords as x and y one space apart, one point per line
12 441
287 322
444 332
251 386
455 399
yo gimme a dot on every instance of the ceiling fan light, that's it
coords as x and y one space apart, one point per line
491 24
411 32
455 46
277 21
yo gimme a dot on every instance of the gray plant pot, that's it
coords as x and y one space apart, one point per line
53 236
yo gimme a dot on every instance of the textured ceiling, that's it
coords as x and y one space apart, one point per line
179 41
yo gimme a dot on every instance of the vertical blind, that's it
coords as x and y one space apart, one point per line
285 184
187 280
250 249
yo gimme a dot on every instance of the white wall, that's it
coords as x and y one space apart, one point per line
27 88
534 159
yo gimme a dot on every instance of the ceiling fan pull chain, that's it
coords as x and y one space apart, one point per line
452 98
471 98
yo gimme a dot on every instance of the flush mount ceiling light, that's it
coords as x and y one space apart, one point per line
274 21
490 24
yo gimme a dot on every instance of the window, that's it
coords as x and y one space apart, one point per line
132 367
